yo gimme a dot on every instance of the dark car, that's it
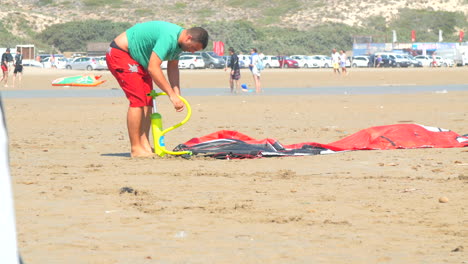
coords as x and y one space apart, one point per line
286 62
387 61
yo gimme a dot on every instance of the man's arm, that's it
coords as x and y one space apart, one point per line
156 73
173 75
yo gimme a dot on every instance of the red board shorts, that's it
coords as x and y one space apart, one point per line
134 80
4 68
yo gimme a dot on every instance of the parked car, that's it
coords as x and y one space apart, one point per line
400 60
305 61
245 59
287 62
60 62
32 63
445 62
191 62
85 63
387 61
390 59
211 59
413 61
103 62
321 60
425 60
271 61
360 61
227 59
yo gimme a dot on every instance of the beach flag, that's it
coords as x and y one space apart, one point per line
218 47
440 36
413 35
462 34
394 36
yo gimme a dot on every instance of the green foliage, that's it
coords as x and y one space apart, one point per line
73 36
101 3
143 12
244 3
6 38
243 36
205 12
180 5
44 2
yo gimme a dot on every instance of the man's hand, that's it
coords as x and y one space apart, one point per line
178 104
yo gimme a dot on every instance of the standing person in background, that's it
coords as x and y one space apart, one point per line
434 60
52 61
378 61
4 63
343 59
134 58
335 57
18 72
234 75
254 59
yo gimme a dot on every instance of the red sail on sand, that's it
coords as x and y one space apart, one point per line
232 144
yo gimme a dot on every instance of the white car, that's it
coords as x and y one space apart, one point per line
32 63
360 61
322 60
445 62
424 59
60 62
245 59
271 61
305 61
191 62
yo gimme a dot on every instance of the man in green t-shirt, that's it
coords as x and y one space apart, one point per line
135 57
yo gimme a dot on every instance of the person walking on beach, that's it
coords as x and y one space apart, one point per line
134 58
254 60
18 72
235 74
343 59
4 63
335 57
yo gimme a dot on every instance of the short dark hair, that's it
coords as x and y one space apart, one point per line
231 49
199 35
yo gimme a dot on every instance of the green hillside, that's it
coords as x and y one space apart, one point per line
274 27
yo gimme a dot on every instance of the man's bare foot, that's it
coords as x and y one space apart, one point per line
141 153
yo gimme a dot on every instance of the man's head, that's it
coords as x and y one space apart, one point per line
194 39
231 50
8 50
18 50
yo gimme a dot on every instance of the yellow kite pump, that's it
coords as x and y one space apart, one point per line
157 127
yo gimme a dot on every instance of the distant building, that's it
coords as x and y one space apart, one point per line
97 48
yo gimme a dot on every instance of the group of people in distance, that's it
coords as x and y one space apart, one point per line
7 62
339 61
235 75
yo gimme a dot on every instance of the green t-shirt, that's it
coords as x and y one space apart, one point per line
158 36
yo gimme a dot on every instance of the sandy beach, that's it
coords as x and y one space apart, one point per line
70 159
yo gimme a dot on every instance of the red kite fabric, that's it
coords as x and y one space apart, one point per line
462 35
218 47
232 144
